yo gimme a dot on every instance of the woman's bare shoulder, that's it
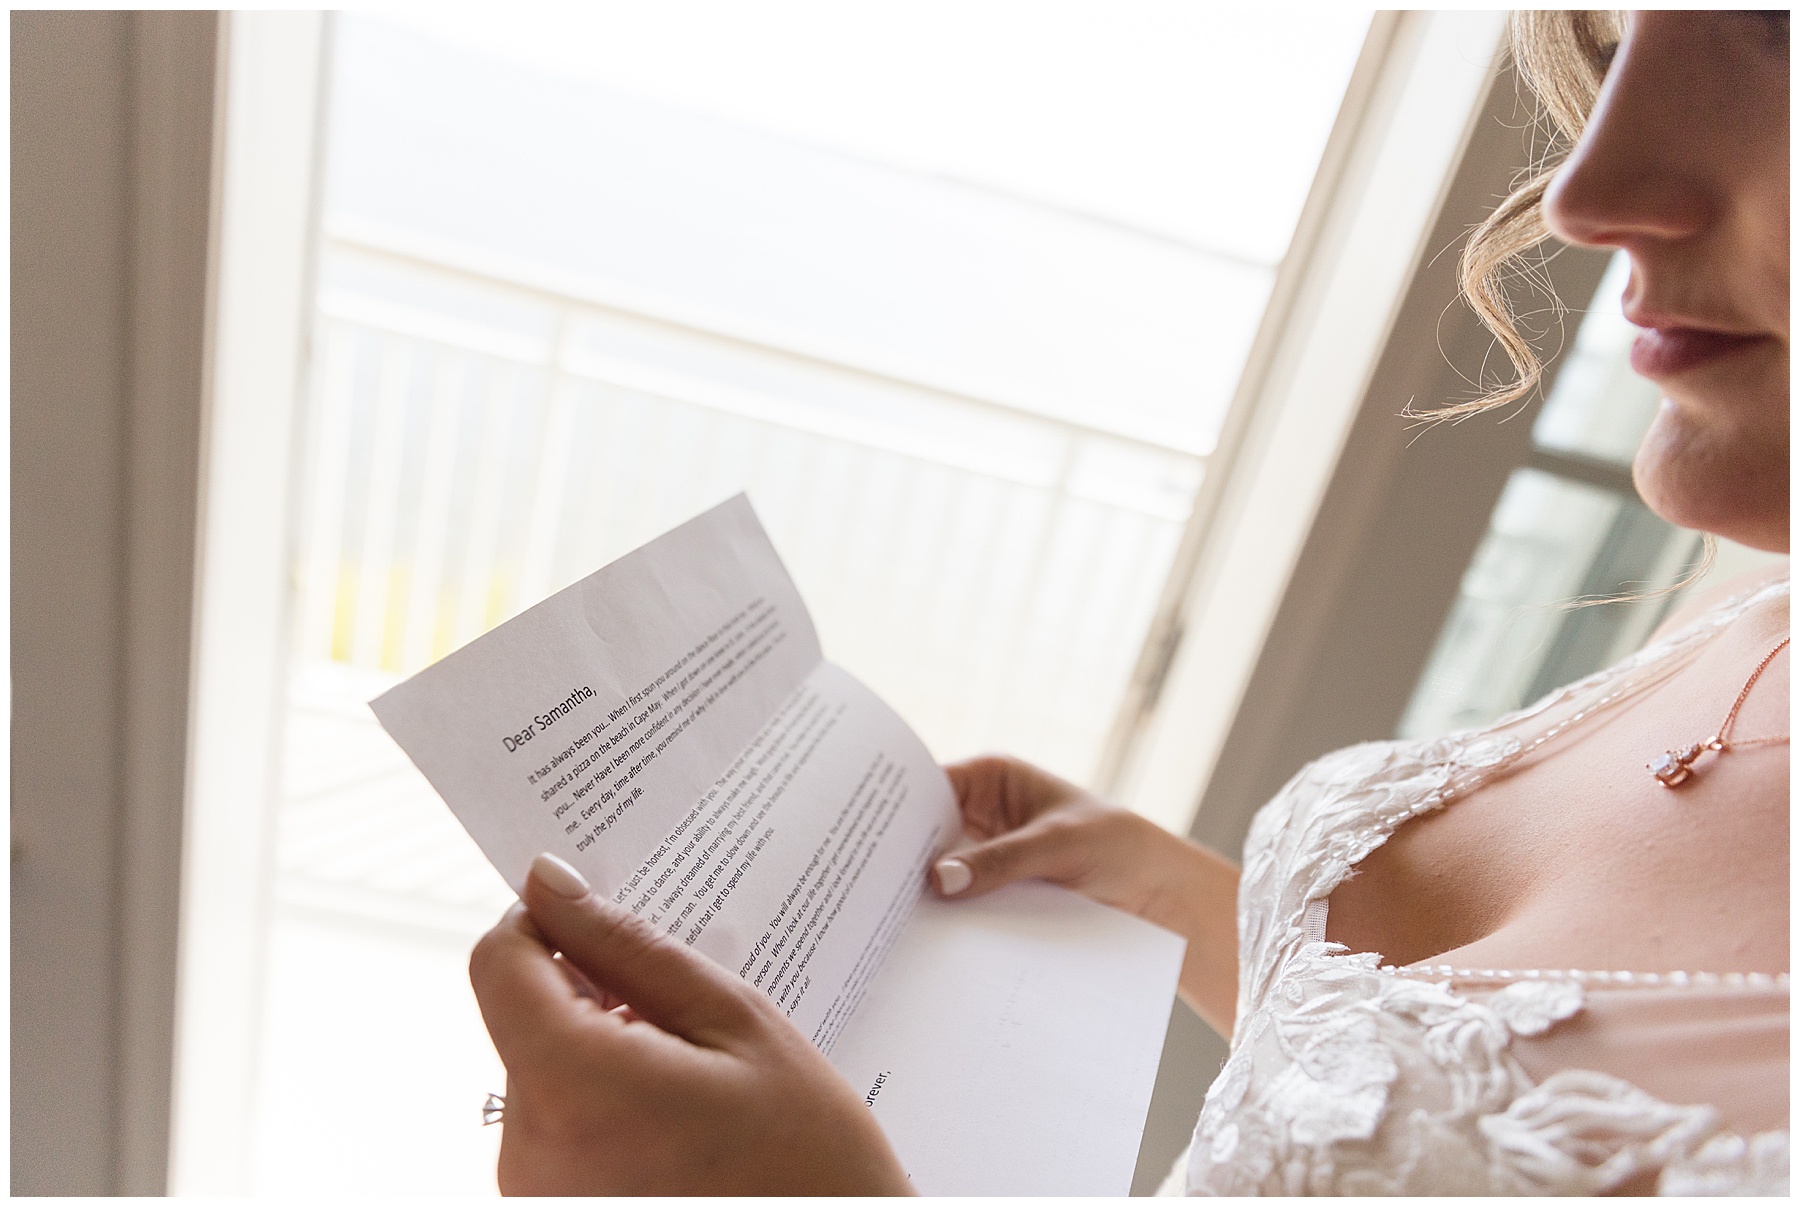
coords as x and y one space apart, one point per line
1713 594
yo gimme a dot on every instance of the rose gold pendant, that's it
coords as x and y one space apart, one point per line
1674 767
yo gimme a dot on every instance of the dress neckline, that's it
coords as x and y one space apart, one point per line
1582 976
1690 637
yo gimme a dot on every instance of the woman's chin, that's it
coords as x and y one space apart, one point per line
1728 483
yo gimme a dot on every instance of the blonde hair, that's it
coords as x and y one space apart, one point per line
1561 58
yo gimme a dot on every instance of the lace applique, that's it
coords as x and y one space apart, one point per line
1586 1133
1732 1165
1351 1082
1532 1007
1346 1080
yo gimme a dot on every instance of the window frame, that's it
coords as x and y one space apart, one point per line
266 155
1321 587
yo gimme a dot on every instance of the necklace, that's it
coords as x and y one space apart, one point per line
1674 767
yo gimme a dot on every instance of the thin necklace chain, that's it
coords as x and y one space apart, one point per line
1718 741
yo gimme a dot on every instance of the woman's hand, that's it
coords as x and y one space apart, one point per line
1028 824
1031 825
637 1066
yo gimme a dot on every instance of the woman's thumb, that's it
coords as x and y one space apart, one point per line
663 981
1029 852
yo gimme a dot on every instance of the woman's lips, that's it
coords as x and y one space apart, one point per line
1667 351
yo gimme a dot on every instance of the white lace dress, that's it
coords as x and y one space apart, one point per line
1346 1077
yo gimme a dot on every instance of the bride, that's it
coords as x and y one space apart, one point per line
1549 956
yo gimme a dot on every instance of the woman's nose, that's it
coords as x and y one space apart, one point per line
1640 170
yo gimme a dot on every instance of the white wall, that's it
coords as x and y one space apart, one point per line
111 183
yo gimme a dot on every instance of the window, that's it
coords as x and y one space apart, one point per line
961 298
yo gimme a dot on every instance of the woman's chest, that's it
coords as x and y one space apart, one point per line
1583 859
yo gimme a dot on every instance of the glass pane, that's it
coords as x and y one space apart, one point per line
1599 407
1511 636
479 446
1545 535
1031 292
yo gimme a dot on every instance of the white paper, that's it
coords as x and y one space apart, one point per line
669 726
1011 1041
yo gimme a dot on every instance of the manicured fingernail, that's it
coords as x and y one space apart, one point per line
953 876
559 877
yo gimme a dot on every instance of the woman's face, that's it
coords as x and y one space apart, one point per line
1684 165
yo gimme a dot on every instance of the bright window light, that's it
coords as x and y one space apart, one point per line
959 293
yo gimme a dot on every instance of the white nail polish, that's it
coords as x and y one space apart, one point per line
559 877
953 876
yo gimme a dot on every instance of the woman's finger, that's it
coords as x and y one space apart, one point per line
985 791
1035 851
583 987
971 781
525 998
663 981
